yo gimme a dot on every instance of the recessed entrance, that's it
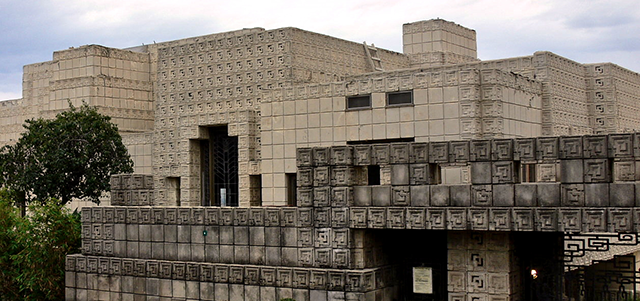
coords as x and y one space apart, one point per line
219 168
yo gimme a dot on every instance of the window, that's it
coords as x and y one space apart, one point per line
358 102
528 173
373 175
399 98
292 192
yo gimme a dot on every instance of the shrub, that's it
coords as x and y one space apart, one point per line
34 249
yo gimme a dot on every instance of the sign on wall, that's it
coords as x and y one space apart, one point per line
423 280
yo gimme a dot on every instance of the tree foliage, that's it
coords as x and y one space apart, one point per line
33 249
71 156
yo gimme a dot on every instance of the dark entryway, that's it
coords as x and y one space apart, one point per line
540 257
425 250
219 168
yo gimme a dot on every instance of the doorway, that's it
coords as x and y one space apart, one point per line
219 168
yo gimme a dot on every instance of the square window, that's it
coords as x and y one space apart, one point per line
399 98
358 102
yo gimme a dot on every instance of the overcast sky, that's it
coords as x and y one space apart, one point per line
583 30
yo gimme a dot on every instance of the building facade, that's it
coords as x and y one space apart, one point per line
350 167
264 93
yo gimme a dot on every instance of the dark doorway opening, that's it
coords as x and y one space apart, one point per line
219 168
543 253
408 249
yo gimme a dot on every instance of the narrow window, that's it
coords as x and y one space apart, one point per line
399 98
292 189
528 173
373 175
255 183
358 102
173 190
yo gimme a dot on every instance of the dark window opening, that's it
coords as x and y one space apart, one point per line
528 173
436 173
255 183
292 189
357 102
381 141
399 98
373 175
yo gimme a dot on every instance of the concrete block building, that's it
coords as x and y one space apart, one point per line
286 163
264 93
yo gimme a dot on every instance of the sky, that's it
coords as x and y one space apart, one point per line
587 31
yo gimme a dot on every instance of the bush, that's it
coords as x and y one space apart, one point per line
33 249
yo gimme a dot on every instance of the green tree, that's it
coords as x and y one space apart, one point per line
8 247
71 156
33 249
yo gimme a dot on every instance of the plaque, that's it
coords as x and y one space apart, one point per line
423 280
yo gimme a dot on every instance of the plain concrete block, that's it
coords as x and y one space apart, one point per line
213 235
184 234
256 236
119 231
301 295
622 194
140 285
548 194
157 250
318 295
503 195
420 196
338 296
133 249
170 251
400 174
132 232
153 286
197 252
571 171
290 256
144 250
481 173
272 236
212 253
221 292
207 291
197 234
226 254
236 292
226 235
439 195
184 251
157 233
241 254
241 235
166 288
257 255
273 256
192 289
267 293
460 195
526 195
289 236
170 233
284 293
362 196
381 196
120 248
596 195
251 292
144 233
81 280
